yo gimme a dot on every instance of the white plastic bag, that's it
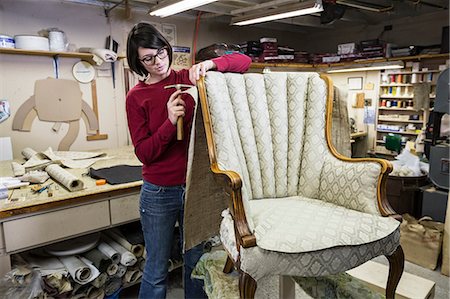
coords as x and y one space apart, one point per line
407 164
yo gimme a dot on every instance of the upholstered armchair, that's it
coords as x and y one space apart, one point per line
297 207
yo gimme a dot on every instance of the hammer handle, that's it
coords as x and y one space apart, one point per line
180 130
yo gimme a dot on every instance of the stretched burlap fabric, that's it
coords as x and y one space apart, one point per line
340 128
205 200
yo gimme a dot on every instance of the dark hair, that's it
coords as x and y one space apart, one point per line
147 36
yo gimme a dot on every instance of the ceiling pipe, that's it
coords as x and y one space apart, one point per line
274 3
365 6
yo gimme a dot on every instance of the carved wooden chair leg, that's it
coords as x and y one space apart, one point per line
247 286
229 264
396 265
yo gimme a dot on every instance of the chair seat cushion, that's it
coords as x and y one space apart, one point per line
259 262
298 224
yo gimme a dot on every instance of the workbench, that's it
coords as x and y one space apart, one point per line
35 219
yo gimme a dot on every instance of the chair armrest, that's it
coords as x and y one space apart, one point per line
232 183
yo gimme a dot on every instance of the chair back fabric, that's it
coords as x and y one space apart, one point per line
274 135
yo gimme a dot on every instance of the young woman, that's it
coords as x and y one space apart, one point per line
152 113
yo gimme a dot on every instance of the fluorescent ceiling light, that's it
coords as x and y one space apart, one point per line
370 67
282 12
171 7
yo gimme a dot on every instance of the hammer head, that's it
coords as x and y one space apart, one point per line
178 86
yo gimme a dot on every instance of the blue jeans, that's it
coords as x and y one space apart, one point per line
160 208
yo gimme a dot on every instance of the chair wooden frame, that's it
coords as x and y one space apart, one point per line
232 184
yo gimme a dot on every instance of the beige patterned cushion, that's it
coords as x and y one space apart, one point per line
259 262
298 224
351 185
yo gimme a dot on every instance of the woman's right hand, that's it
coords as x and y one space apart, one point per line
175 107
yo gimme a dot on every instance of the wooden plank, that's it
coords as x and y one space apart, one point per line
375 275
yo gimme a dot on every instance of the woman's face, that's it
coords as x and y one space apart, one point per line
155 61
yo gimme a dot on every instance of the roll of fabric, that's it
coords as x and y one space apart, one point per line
98 294
112 269
112 285
141 263
132 275
68 180
100 280
126 258
121 270
98 259
80 269
136 249
79 291
17 169
94 293
110 252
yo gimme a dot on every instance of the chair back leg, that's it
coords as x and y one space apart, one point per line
247 286
396 265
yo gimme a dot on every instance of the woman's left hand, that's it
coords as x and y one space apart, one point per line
200 69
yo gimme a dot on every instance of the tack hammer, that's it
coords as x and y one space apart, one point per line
180 131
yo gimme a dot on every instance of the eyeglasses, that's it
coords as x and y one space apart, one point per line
150 59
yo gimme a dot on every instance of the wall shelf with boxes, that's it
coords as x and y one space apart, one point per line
400 108
83 56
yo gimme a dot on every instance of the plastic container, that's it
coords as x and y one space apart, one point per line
403 193
31 42
6 41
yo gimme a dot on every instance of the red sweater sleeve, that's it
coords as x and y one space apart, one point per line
236 63
148 147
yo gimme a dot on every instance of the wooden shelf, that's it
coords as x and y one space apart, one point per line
351 63
411 73
400 133
401 121
83 56
399 109
396 85
261 65
395 97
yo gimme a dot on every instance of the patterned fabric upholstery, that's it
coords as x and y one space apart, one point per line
311 213
350 185
259 262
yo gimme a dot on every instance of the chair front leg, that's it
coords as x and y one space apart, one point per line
229 265
396 266
247 286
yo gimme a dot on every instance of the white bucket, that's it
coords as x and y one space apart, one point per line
6 41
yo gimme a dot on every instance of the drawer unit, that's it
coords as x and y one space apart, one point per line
124 209
46 227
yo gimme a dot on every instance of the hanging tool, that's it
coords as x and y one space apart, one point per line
97 135
112 45
180 131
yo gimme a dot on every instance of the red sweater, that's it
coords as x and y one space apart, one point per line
164 158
